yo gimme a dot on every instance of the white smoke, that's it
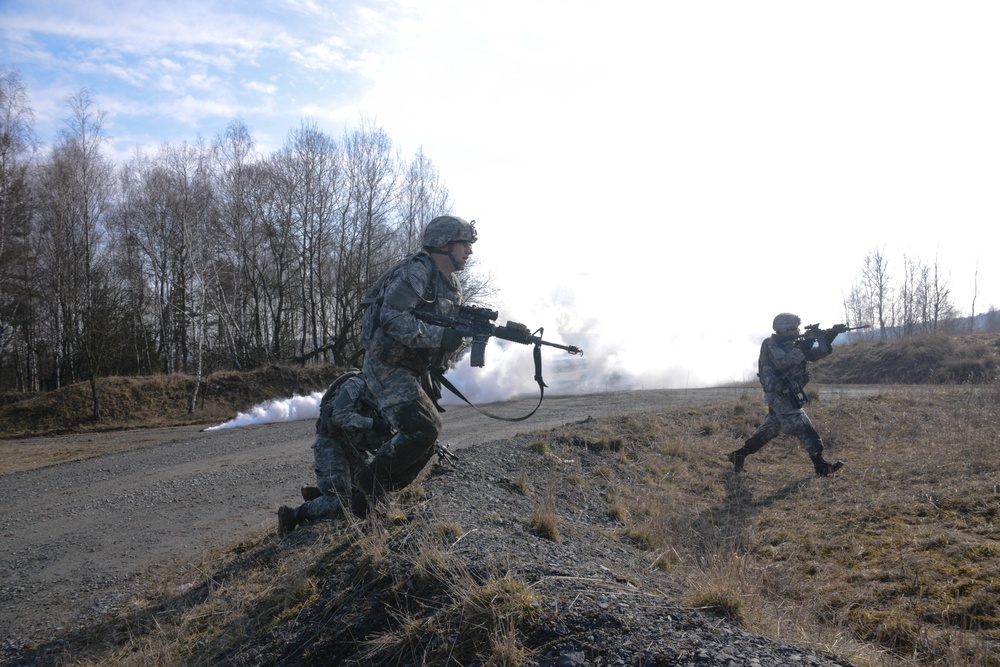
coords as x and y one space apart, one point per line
620 353
291 409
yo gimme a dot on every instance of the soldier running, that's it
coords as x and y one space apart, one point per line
783 375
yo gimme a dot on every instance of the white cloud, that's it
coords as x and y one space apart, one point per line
260 87
204 82
329 55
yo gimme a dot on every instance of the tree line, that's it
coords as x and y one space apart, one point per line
915 298
201 257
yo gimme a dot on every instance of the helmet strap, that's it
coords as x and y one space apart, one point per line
448 252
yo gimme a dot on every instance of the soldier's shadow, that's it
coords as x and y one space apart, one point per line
739 494
726 523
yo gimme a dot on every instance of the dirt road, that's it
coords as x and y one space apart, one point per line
77 537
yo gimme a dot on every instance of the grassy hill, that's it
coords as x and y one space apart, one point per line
926 359
157 401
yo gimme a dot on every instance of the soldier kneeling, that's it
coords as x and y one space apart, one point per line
348 430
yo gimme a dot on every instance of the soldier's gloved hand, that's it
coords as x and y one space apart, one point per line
451 340
805 345
382 426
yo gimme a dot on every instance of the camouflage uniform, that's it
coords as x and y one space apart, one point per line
783 375
400 350
348 430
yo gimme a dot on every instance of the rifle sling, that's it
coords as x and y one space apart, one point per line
536 353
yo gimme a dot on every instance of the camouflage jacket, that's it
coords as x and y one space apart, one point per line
390 332
781 366
348 416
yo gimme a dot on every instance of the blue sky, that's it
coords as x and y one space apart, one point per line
659 179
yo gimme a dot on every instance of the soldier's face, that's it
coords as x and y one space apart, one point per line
461 252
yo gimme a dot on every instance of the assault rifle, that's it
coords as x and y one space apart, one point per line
812 332
444 453
477 323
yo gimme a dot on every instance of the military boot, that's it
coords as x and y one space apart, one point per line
738 459
288 519
751 445
310 492
366 493
823 467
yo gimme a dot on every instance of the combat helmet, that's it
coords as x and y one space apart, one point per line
785 321
446 229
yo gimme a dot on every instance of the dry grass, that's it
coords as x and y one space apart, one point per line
895 561
728 585
228 600
540 447
544 520
426 606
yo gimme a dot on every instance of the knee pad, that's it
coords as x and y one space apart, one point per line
418 424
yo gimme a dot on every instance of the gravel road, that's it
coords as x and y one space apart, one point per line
77 537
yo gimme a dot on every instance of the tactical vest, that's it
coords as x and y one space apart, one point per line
371 302
771 380
383 347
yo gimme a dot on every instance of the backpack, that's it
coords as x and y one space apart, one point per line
371 302
323 428
335 385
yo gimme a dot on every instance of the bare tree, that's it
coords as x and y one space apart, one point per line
921 303
130 245
857 305
422 197
371 169
924 290
239 294
270 205
313 167
152 228
78 187
17 303
875 275
200 213
942 310
975 295
908 296
367 238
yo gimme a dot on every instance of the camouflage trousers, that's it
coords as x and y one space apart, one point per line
784 417
404 401
335 464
